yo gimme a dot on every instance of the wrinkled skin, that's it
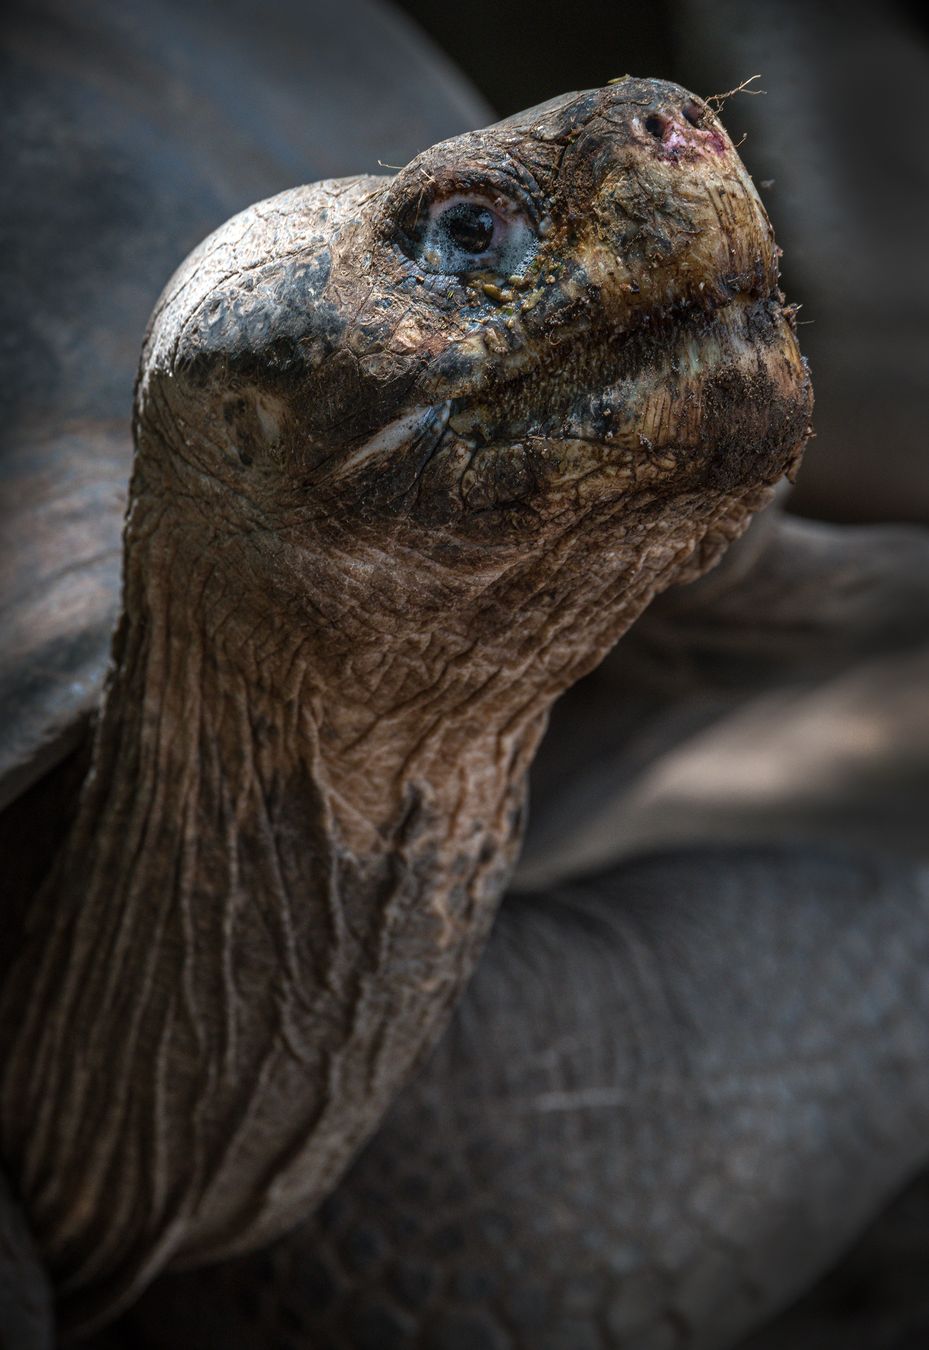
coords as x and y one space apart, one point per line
671 1093
381 516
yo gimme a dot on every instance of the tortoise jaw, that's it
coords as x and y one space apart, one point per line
717 398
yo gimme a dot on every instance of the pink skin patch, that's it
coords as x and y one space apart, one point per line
715 142
675 140
678 141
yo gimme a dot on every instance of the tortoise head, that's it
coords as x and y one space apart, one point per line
548 359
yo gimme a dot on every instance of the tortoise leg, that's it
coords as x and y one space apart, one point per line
26 1302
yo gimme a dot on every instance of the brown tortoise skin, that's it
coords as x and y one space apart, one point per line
380 517
626 1140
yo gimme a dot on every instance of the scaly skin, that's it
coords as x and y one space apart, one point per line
381 516
670 1095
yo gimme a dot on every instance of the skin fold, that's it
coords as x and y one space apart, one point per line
769 1047
384 510
671 1094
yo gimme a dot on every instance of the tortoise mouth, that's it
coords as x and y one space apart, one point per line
611 407
583 387
715 397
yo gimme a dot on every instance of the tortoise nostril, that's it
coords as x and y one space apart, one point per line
655 125
693 112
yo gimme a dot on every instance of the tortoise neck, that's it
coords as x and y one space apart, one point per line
237 959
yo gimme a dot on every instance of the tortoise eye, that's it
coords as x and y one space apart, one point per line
468 226
467 233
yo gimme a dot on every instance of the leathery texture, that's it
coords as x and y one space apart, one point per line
671 1094
385 508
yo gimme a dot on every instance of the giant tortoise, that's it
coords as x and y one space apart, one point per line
412 453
